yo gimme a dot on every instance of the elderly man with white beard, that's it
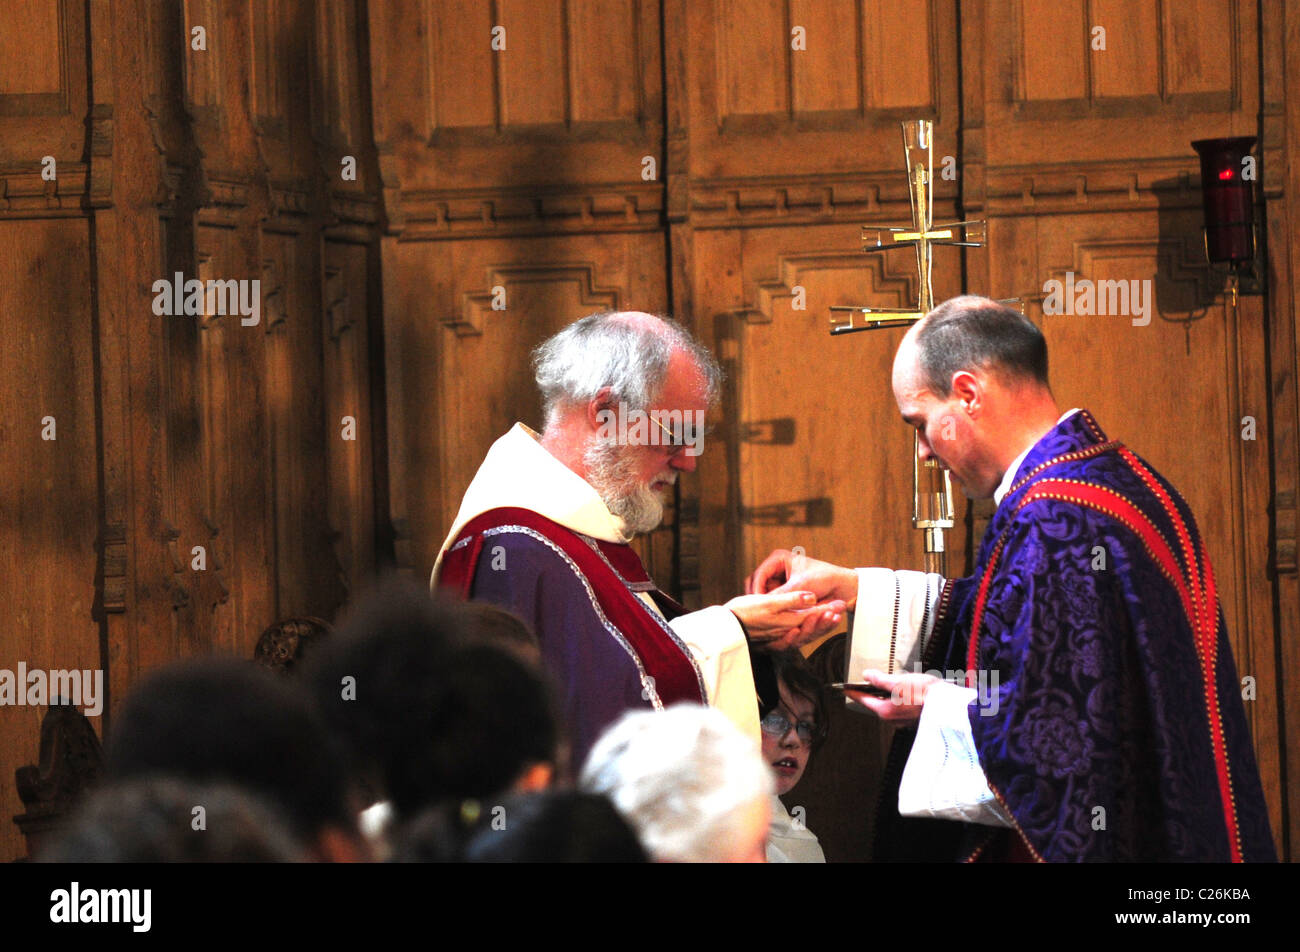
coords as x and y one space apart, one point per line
544 527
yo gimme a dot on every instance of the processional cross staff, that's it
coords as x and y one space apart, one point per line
932 509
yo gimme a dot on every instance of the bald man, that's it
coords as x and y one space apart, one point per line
1074 699
544 527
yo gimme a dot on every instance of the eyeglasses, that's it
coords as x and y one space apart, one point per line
777 724
675 438
683 433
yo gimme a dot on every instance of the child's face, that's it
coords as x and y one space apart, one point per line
787 754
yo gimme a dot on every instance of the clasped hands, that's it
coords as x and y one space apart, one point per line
790 600
795 599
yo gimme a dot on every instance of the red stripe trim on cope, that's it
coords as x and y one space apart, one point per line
1195 590
655 645
1202 579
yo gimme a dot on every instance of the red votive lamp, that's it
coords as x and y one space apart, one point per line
1228 199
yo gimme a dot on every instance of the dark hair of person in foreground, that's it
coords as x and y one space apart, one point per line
556 826
170 821
493 624
227 721
435 711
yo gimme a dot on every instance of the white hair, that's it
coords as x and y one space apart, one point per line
614 349
682 777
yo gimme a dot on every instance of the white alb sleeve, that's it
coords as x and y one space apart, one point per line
715 638
943 778
893 620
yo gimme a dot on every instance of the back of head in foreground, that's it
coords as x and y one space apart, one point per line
694 787
430 708
227 721
551 826
163 820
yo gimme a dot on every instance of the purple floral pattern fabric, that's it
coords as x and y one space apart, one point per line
1100 743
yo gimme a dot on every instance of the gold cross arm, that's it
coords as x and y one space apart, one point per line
884 317
844 317
973 235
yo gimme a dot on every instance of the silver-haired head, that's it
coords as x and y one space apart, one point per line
689 781
624 351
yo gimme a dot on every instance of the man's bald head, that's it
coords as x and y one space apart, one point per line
975 334
641 320
971 377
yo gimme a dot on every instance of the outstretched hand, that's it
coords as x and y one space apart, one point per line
786 571
779 620
773 571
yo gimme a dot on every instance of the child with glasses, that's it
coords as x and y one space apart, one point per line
793 725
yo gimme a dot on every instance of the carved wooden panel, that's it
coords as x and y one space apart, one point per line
301 435
605 79
337 89
1280 74
194 430
1090 50
459 68
199 492
349 421
803 90
203 67
36 58
1054 50
43 100
532 63
530 79
1197 46
1056 97
272 68
830 59
48 525
753 56
1093 51
500 99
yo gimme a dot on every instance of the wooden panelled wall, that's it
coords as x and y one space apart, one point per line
171 431
524 169
673 155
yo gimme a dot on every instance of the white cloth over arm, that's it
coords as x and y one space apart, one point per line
716 639
942 778
893 622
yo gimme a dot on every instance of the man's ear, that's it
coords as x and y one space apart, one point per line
969 389
600 409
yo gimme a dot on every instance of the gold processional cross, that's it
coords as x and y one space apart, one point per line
932 510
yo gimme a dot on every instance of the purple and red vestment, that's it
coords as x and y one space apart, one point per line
1119 732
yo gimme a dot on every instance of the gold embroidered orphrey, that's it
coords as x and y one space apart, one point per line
932 510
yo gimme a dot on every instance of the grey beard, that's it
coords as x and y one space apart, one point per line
611 473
